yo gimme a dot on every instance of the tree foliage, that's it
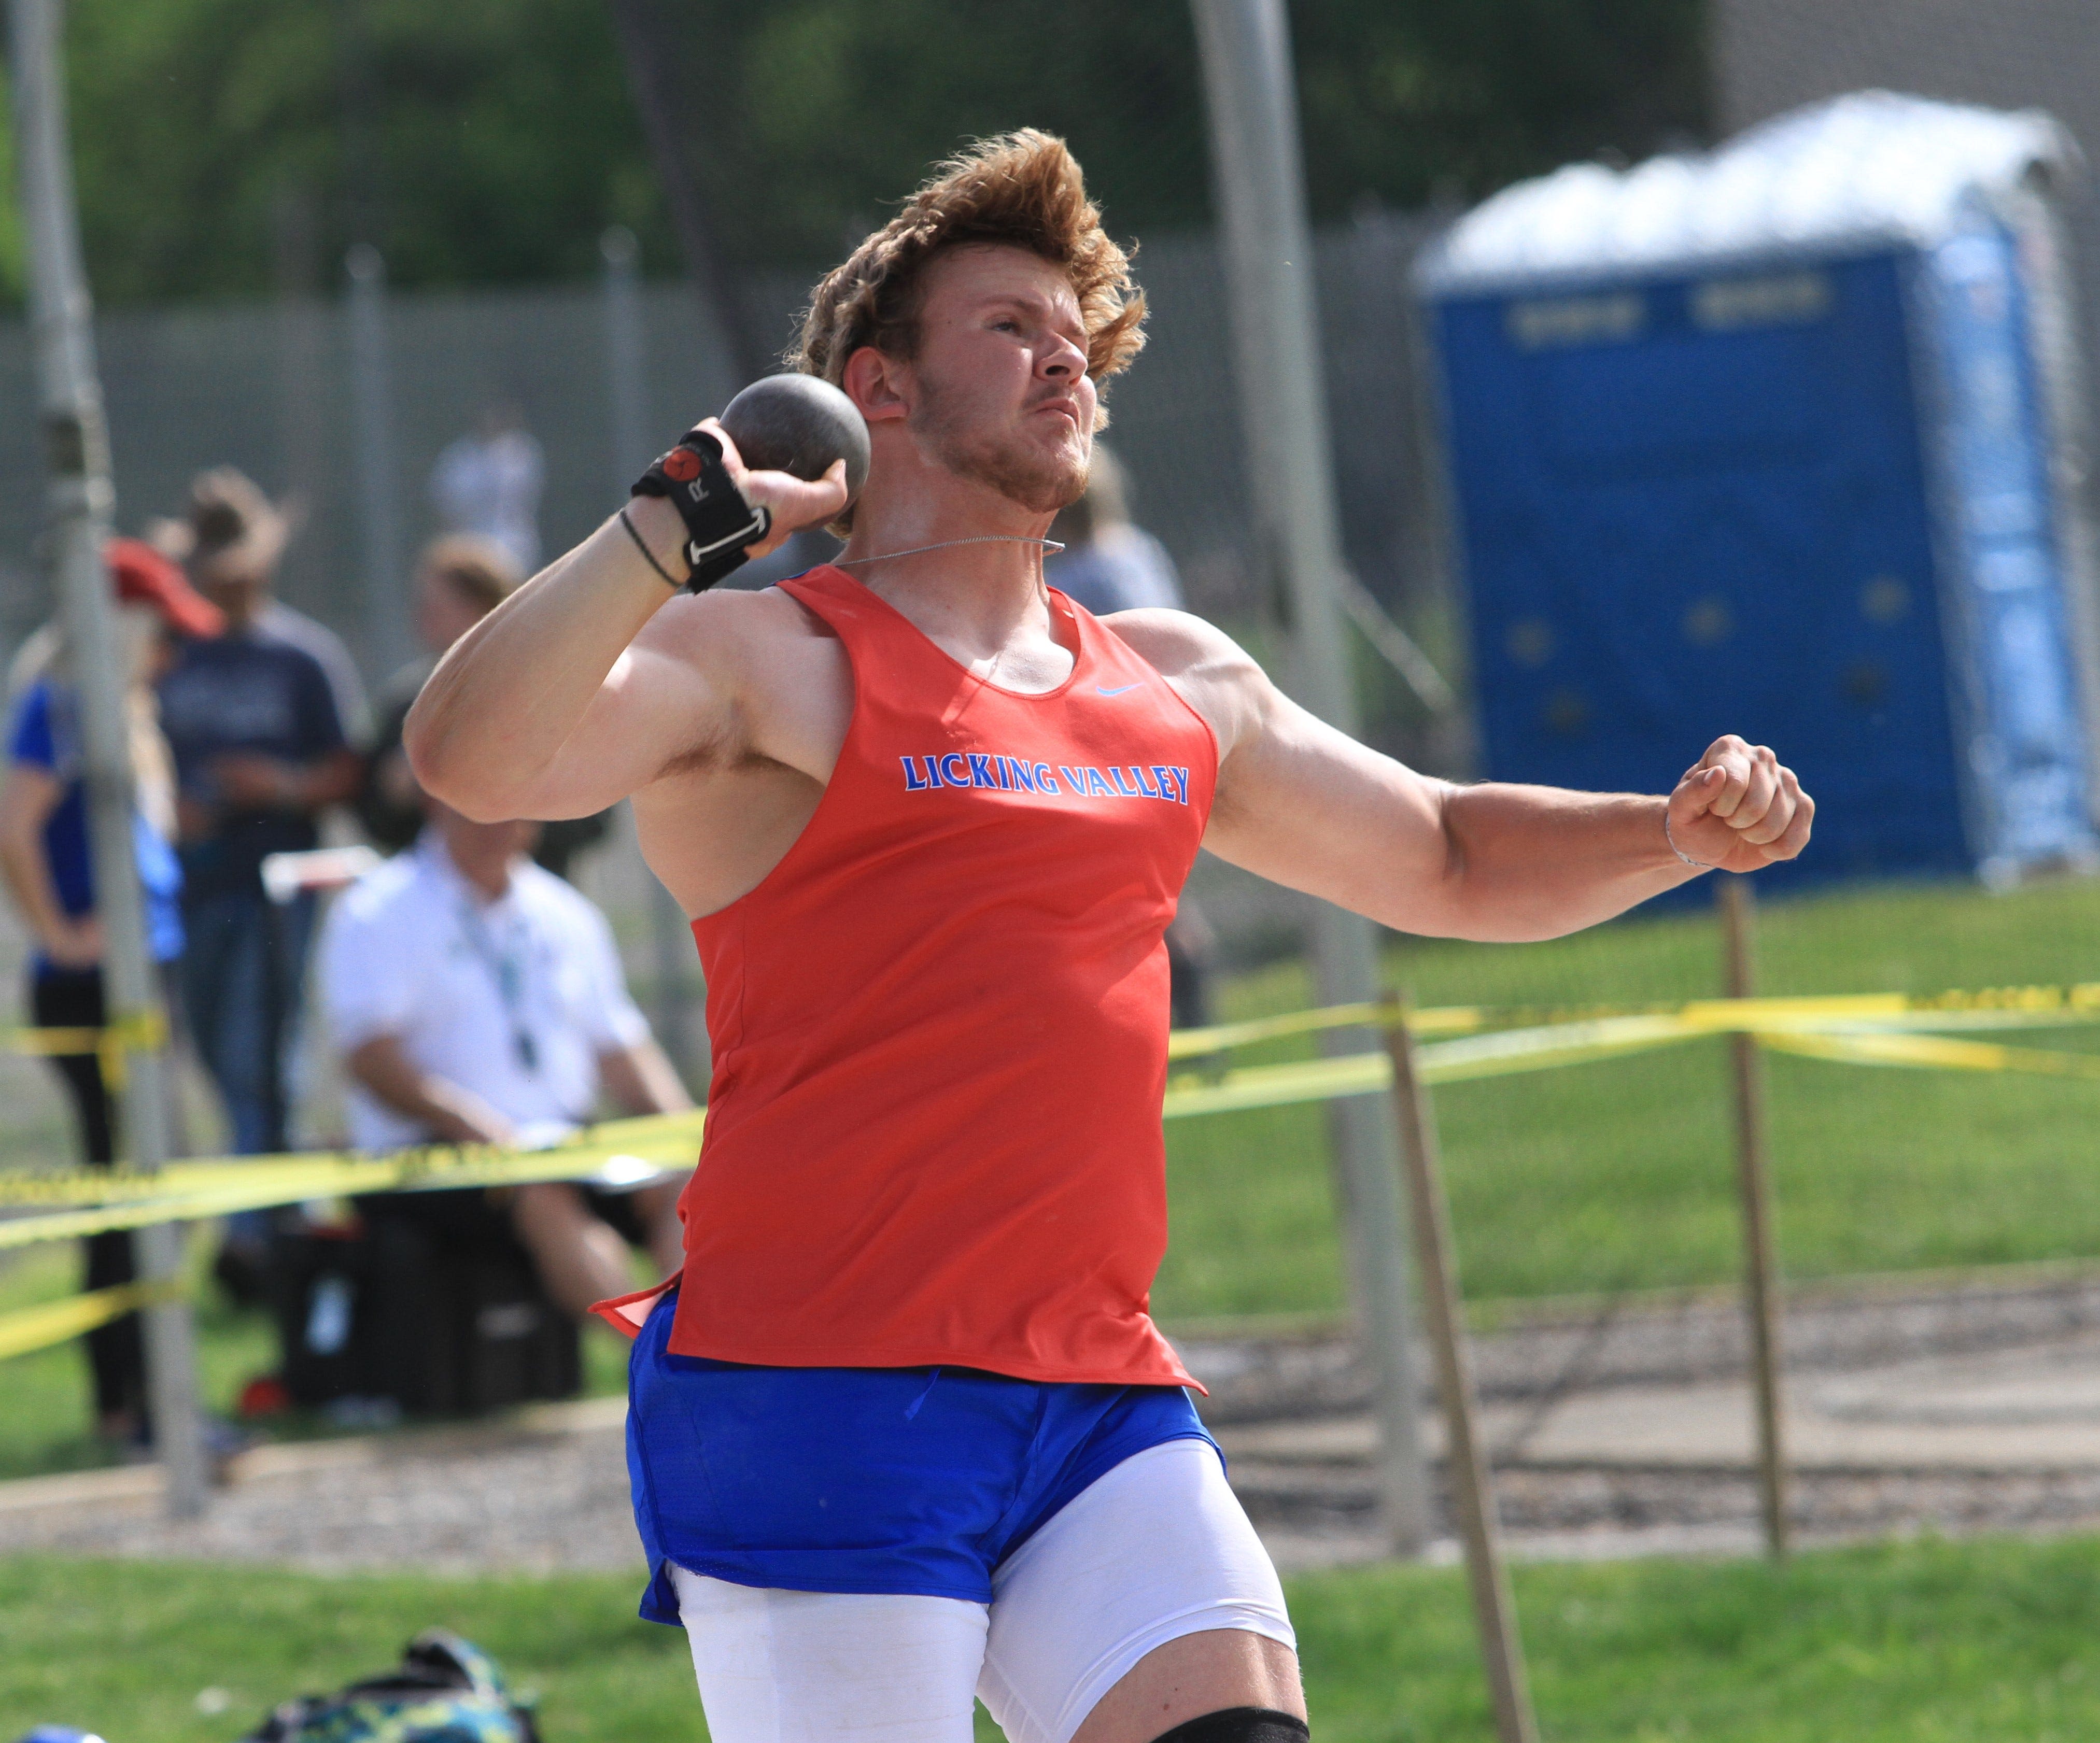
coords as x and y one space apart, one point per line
476 141
224 146
828 110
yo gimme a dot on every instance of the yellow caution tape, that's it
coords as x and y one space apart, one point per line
1453 1019
1555 1044
2030 1005
1935 1053
1992 1007
187 1192
59 1321
1841 1029
1457 1060
1481 1041
1278 1086
52 1043
146 1030
142 1033
668 1139
1484 1041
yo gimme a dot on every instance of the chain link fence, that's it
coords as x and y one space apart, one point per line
268 388
271 388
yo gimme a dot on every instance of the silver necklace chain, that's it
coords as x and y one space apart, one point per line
1047 544
883 556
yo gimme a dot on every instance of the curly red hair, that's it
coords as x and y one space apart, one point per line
1022 189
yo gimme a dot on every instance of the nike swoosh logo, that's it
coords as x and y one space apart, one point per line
1102 690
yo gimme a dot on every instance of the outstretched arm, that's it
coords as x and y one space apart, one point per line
1309 807
572 693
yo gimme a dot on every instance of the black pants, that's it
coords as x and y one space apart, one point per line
67 999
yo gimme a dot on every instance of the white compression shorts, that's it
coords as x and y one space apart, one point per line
1156 1548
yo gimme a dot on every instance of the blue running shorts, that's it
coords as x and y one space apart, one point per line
914 1481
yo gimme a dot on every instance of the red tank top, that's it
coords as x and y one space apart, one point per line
940 1026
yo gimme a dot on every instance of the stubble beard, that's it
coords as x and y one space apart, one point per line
1042 483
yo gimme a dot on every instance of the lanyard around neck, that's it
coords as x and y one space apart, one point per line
506 968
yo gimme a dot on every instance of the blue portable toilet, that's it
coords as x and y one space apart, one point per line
1782 440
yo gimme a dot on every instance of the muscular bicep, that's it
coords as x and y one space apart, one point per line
1308 806
1299 802
662 701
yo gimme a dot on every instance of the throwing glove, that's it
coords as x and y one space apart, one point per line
719 522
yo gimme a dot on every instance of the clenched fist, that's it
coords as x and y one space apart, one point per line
1739 809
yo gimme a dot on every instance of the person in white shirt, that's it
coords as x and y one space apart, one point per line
488 484
474 998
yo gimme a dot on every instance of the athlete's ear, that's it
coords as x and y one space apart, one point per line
879 384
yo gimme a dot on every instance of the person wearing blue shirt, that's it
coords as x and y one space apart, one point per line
1109 564
260 753
50 873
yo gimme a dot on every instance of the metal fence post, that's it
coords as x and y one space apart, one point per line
1738 903
387 614
1472 1493
306 397
1269 257
79 501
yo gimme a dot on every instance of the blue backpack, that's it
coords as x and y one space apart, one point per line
447 1691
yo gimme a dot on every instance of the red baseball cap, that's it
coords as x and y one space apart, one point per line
144 577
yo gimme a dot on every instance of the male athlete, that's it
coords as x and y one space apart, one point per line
902 1429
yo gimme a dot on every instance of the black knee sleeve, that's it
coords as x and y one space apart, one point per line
1239 1725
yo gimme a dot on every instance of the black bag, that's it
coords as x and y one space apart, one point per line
461 1323
447 1691
433 1304
320 1290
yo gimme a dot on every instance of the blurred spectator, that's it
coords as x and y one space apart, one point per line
260 753
488 484
1109 565
178 540
476 999
311 636
50 873
462 577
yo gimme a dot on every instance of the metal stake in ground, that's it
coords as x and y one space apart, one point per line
78 501
1739 911
1493 1612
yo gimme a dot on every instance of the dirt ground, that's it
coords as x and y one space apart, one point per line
1615 1428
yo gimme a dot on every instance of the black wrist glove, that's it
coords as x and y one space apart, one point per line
719 522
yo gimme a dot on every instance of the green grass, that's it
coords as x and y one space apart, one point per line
1620 1175
1924 1642
125 1649
46 1425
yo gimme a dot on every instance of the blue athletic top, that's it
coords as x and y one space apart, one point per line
865 1480
46 736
